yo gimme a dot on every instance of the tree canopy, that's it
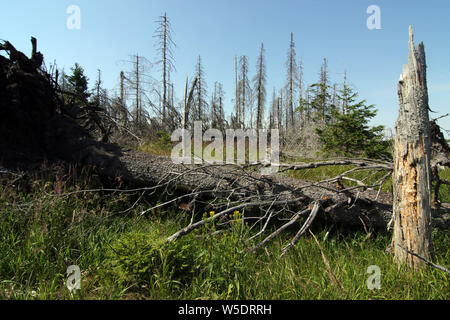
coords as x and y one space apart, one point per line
349 134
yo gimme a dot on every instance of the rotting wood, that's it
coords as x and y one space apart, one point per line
412 170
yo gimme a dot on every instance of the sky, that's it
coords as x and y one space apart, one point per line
111 31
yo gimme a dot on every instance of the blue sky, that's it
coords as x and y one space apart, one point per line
218 30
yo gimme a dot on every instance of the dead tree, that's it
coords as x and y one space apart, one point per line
137 79
244 89
301 107
259 83
292 79
188 100
185 106
200 110
412 171
237 100
137 90
273 110
122 106
217 113
165 48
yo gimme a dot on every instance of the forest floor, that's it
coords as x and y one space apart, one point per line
45 227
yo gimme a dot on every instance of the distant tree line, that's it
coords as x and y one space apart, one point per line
144 105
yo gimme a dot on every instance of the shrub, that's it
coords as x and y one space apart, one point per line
164 140
144 258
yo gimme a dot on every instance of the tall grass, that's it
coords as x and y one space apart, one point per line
122 254
444 190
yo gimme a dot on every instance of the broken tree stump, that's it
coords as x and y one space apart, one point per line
412 171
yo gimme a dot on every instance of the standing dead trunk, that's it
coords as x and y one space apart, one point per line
164 36
122 112
185 115
412 172
137 91
238 103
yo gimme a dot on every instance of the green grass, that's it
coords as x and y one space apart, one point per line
123 255
444 190
368 176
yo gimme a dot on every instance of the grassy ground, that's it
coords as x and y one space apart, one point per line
122 255
368 176
444 190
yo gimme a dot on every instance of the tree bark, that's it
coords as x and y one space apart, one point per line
164 68
412 171
137 90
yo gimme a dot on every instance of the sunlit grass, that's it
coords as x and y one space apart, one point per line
444 190
122 256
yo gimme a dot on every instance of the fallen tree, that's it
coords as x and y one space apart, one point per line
31 106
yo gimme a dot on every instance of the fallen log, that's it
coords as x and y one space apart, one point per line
354 207
36 125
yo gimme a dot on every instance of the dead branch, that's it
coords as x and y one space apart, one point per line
426 261
194 226
303 229
367 164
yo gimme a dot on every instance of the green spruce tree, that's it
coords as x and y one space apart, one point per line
349 134
78 83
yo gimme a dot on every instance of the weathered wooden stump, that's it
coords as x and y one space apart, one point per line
412 171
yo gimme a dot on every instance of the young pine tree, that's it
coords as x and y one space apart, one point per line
349 134
320 102
78 83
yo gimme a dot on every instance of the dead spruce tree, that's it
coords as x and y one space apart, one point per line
301 101
259 84
200 111
412 172
244 90
237 103
133 83
165 47
291 84
217 112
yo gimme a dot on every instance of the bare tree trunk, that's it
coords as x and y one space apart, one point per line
137 89
300 96
185 104
199 92
243 85
279 106
238 102
122 104
260 88
412 172
164 69
292 76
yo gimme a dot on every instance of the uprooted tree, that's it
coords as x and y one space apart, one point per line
32 107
